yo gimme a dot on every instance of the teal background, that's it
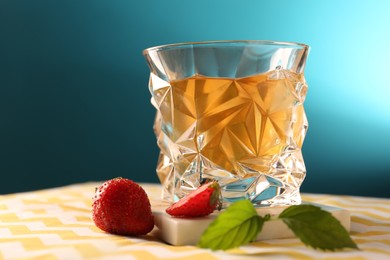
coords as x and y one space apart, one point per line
75 107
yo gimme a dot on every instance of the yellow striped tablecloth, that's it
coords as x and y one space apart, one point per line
56 224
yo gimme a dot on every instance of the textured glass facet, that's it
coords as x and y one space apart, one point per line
232 112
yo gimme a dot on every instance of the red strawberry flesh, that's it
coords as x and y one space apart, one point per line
198 203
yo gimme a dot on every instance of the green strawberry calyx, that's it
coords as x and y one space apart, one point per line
216 196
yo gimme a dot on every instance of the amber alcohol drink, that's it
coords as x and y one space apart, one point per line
231 112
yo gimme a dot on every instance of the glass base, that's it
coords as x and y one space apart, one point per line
277 188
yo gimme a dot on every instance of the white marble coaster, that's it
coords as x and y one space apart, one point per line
181 231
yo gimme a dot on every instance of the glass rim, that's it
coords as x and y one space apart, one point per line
223 42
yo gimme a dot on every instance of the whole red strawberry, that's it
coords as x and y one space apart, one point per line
120 206
198 203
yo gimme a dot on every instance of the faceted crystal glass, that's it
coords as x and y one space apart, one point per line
230 111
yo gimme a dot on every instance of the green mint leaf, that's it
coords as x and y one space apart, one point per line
316 228
237 225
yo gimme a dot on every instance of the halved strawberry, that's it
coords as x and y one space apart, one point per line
198 203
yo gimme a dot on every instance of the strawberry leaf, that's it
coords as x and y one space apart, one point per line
236 226
316 228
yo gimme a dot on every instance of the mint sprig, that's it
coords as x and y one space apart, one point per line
240 224
316 228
